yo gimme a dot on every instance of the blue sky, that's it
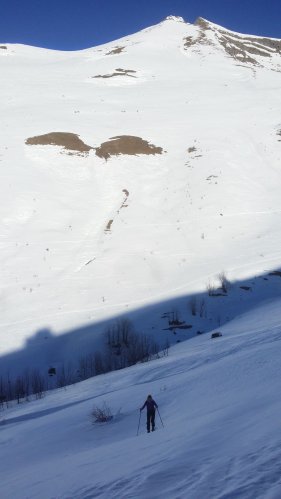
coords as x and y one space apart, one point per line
77 24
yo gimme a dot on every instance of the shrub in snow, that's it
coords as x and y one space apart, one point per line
225 285
202 308
101 414
193 305
210 288
3 399
216 335
174 319
38 384
224 282
125 347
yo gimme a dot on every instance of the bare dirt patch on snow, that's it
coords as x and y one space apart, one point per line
123 144
115 50
126 144
69 141
118 72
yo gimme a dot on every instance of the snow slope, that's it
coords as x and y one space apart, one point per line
85 239
218 400
88 236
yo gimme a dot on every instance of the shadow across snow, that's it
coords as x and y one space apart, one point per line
168 322
41 414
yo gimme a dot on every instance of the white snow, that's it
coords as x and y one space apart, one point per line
210 203
218 400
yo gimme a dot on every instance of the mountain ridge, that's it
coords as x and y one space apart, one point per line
201 22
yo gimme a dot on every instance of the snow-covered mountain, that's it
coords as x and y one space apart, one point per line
140 181
133 174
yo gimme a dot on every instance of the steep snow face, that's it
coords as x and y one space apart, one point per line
88 236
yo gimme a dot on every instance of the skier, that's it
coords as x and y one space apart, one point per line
150 406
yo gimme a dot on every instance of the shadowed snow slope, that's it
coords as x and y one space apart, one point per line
220 406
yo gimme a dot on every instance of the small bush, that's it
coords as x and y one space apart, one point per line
218 334
224 282
202 308
193 305
211 290
101 414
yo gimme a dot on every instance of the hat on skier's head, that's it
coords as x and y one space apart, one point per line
149 396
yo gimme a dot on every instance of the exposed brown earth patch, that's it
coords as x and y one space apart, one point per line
3 47
115 50
123 205
126 144
189 41
118 72
69 141
202 23
108 225
201 39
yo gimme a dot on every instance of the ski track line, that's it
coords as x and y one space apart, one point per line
105 261
254 264
203 219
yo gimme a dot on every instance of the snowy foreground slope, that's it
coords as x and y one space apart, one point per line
220 404
93 228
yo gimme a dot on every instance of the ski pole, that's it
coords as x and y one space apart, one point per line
160 417
139 424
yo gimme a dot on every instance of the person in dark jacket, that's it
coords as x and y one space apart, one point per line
150 405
